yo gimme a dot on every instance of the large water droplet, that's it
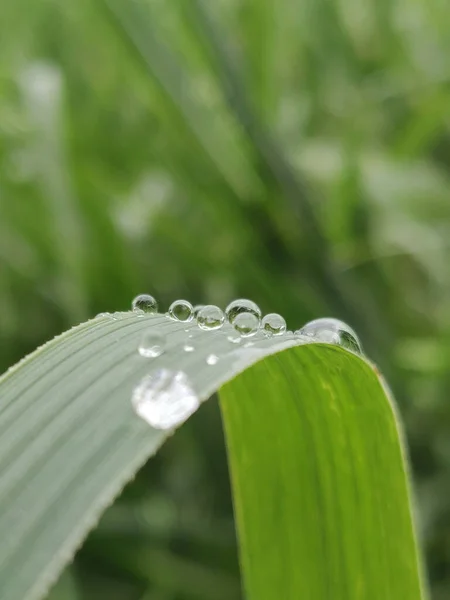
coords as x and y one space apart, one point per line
164 398
242 306
332 331
152 344
197 309
210 317
145 303
212 359
273 324
246 323
181 310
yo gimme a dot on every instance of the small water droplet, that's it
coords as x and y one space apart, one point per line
210 317
273 324
332 331
188 347
181 310
234 339
242 305
249 344
247 324
152 344
103 315
145 303
117 315
212 359
164 398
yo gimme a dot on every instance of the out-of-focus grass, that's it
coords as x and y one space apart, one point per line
297 153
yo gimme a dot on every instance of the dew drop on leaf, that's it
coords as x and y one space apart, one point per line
246 323
210 317
188 347
152 345
332 331
212 359
145 303
181 310
242 305
273 324
197 309
164 398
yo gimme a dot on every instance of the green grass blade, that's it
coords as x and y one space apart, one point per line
321 493
205 130
69 441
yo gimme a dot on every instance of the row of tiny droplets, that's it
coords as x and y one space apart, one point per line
246 318
244 315
165 398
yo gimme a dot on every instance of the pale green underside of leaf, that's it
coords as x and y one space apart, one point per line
315 453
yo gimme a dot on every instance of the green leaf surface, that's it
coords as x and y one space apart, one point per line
313 442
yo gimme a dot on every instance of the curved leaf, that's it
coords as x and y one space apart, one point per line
70 440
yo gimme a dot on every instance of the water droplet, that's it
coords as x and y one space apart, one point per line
117 315
145 303
234 339
212 359
246 323
181 310
188 348
273 324
164 398
249 344
210 317
197 309
242 306
152 344
332 331
103 315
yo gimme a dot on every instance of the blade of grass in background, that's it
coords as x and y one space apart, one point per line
69 441
285 197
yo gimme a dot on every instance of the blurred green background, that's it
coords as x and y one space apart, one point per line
296 152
